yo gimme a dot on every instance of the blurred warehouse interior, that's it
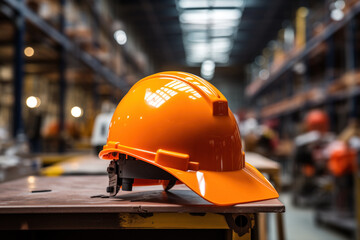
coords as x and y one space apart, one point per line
65 62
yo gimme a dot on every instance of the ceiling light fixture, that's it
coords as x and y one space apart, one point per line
209 29
186 4
336 8
33 102
339 4
209 16
76 112
337 14
208 69
29 51
120 37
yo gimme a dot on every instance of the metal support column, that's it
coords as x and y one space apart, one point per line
330 60
330 66
18 126
351 61
62 83
290 84
306 77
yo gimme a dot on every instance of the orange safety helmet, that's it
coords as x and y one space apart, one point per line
342 159
180 124
317 120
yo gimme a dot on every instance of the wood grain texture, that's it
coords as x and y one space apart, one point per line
71 194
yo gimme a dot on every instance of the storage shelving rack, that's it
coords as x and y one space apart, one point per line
66 54
331 79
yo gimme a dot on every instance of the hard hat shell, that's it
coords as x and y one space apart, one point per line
317 120
182 124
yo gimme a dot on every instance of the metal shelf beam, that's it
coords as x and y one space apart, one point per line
349 94
68 45
310 46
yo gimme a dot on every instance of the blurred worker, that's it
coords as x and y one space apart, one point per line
50 133
249 129
269 139
343 165
101 126
342 159
258 138
309 162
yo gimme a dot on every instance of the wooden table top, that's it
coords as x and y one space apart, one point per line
72 194
260 162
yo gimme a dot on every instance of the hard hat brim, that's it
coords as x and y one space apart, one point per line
229 187
221 188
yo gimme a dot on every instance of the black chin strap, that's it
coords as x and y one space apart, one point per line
125 169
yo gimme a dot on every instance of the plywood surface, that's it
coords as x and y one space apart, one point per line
72 194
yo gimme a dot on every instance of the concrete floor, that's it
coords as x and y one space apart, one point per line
300 224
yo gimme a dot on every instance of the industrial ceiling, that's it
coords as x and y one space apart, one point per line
172 30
